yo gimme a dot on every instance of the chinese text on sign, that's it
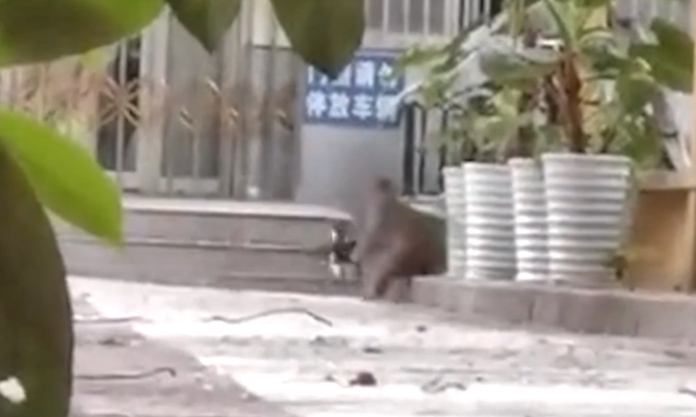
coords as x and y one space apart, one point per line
364 95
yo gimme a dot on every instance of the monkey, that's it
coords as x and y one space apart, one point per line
397 242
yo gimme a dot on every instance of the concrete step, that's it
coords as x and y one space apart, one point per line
197 242
224 221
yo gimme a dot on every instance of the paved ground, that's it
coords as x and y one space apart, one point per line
424 363
168 383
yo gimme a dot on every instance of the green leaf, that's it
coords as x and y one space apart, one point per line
664 67
419 56
507 101
453 52
514 69
550 137
64 175
435 90
671 36
606 62
559 19
516 11
324 33
636 139
495 129
596 36
35 311
502 126
671 59
206 20
635 91
42 30
674 42
593 4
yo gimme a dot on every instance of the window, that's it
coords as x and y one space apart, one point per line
427 17
410 16
473 11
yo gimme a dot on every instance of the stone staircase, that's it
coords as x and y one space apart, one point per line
212 242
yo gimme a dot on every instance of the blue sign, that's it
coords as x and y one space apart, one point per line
364 94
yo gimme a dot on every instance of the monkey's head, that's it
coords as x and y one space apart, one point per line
380 197
384 189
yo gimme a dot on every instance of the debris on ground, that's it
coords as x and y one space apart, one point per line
363 379
372 349
438 385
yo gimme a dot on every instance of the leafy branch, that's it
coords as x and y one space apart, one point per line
580 78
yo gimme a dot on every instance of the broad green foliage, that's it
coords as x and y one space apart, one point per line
517 70
36 338
620 72
41 30
593 90
207 20
64 176
324 33
442 64
670 57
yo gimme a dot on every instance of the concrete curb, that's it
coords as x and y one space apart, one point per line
615 312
